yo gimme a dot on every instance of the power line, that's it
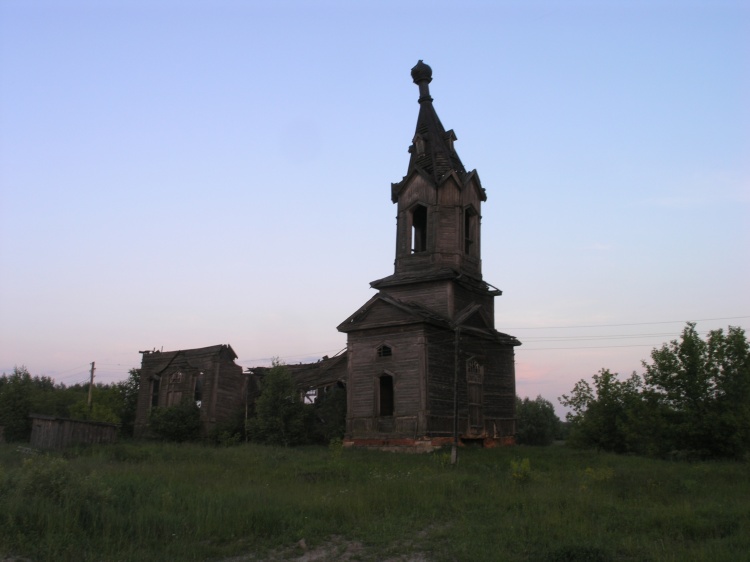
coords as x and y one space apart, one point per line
633 324
539 339
582 347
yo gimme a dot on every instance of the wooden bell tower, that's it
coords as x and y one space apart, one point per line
424 357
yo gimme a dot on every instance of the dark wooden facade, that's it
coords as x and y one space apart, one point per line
207 375
426 342
50 432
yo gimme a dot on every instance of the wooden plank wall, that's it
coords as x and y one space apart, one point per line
223 389
59 433
498 380
365 369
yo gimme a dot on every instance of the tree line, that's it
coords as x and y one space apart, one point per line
22 394
692 401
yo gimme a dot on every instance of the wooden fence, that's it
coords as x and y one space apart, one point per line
49 432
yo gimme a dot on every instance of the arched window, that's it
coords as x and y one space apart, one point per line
474 371
385 351
419 229
386 395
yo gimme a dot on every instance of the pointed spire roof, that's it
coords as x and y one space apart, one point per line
432 146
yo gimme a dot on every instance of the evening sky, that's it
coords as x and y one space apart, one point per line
184 174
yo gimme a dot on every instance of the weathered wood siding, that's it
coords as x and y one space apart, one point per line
231 391
49 432
445 205
178 373
498 383
435 295
439 374
365 370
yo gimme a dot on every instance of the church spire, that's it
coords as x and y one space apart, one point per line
432 148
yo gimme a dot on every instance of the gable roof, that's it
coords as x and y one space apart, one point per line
158 361
469 319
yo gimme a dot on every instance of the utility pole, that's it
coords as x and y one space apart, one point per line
454 449
91 385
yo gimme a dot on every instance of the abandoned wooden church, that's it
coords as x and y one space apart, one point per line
424 363
424 358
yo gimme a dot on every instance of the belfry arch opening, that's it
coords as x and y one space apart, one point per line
419 229
471 234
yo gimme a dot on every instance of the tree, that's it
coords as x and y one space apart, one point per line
279 411
703 390
16 392
537 422
599 414
693 400
328 416
128 392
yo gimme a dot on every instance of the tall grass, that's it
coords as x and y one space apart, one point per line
188 502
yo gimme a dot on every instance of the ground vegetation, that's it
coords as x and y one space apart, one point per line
160 501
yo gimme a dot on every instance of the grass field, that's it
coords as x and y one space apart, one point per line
141 502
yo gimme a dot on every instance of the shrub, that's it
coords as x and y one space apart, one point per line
52 478
279 411
521 470
328 417
229 432
176 423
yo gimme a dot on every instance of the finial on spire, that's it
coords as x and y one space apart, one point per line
422 76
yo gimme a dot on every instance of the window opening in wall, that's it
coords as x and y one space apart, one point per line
155 391
310 396
473 371
470 220
385 351
198 393
386 395
419 229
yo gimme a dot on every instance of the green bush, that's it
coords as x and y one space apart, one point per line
228 432
176 423
280 416
328 416
52 478
520 471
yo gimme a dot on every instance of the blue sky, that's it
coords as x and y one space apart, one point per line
182 174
